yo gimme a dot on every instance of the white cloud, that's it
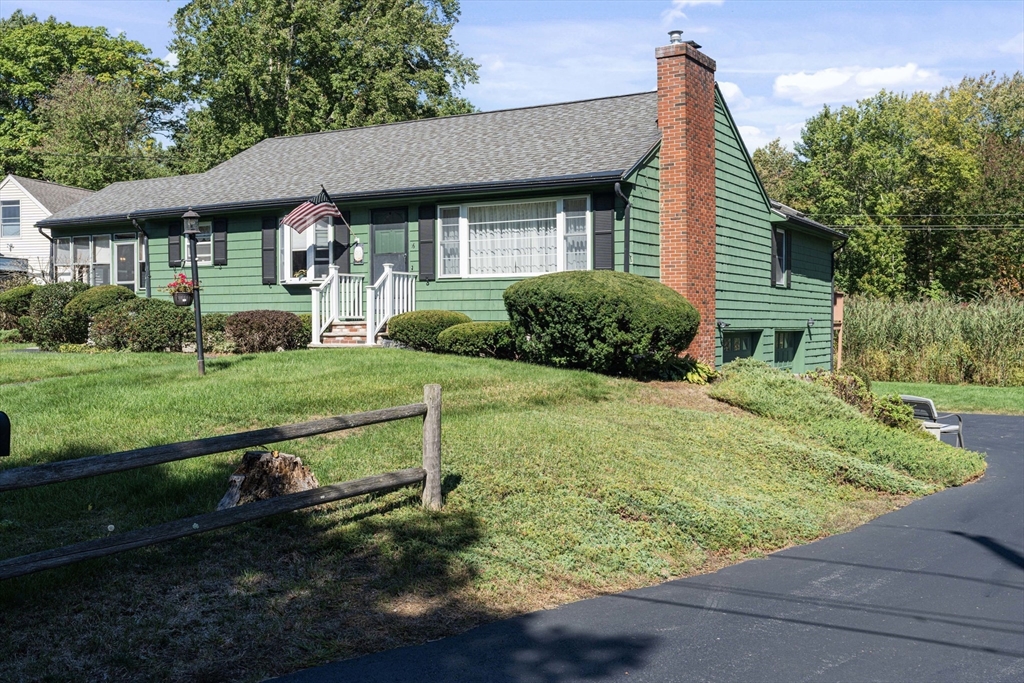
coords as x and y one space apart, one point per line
1014 46
675 12
171 59
734 97
845 84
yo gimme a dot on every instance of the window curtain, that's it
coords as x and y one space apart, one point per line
513 238
450 241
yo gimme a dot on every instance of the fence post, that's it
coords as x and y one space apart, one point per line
5 433
432 447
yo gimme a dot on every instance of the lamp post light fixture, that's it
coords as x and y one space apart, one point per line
190 221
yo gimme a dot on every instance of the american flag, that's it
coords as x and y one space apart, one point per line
308 213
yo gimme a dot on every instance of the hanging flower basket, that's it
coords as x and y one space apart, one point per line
182 298
181 290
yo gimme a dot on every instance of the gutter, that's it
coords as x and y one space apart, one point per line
139 228
625 228
555 183
814 225
53 256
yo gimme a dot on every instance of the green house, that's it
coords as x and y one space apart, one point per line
447 212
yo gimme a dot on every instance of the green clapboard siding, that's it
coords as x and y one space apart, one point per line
745 297
645 218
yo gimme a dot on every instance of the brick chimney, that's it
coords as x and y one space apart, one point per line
686 117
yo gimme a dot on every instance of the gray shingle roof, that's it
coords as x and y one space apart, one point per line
592 138
51 195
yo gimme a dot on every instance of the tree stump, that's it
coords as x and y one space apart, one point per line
266 474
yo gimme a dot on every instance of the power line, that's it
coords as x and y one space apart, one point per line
910 215
69 155
927 228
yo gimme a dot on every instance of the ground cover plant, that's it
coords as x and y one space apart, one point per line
558 485
961 398
976 342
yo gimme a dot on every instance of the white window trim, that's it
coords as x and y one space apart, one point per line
205 230
286 252
5 235
66 273
464 238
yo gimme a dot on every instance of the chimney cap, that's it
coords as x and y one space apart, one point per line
675 36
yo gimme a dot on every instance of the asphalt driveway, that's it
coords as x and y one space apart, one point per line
932 592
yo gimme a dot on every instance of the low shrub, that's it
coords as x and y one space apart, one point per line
214 322
259 331
51 325
690 370
14 304
846 386
600 320
858 372
95 299
142 325
25 326
307 327
484 340
419 329
10 336
893 412
82 348
216 341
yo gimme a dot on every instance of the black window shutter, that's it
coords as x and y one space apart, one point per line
428 255
788 256
174 244
342 238
220 241
269 250
604 231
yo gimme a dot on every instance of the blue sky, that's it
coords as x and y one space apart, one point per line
778 62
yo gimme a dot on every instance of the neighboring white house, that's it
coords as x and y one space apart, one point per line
24 202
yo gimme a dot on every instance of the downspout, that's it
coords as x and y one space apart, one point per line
139 228
625 228
53 256
832 312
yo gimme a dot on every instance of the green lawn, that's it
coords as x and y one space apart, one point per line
559 485
961 398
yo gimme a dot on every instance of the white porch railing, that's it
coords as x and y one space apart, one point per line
339 297
392 294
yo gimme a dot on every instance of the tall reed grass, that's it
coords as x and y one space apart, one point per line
979 342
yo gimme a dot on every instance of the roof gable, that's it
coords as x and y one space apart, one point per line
52 197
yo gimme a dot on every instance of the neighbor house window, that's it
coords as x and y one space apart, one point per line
780 258
786 345
515 238
204 246
10 219
93 259
307 256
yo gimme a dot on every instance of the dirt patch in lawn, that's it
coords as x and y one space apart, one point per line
686 396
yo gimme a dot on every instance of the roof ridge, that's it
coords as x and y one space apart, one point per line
445 117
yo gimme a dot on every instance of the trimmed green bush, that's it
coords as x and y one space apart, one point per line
95 299
259 331
307 327
214 322
893 412
51 326
600 320
25 326
142 325
419 329
485 340
14 304
10 336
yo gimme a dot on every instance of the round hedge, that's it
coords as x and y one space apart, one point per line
419 329
15 302
142 325
485 340
603 321
95 299
259 331
51 326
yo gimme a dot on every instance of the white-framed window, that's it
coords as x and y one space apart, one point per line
515 238
10 218
204 246
307 256
780 257
97 259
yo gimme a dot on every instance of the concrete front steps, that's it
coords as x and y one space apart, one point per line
344 333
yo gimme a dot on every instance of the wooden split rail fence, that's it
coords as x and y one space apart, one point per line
429 475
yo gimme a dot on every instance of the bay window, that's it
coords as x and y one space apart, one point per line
307 256
514 238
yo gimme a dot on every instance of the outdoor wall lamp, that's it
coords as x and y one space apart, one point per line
721 324
357 252
190 225
810 322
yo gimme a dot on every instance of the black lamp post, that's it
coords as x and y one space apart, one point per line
191 229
